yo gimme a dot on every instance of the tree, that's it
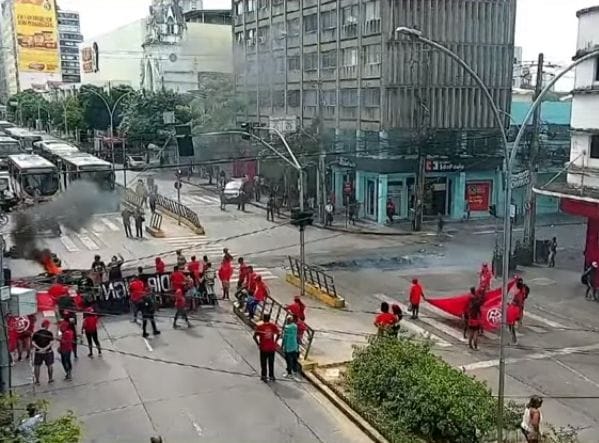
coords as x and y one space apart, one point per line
25 107
95 114
75 113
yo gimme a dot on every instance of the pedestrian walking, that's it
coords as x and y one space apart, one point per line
139 222
297 308
416 295
474 323
390 210
241 199
532 419
270 208
588 278
329 209
552 252
65 348
290 346
352 210
397 312
266 336
140 190
257 189
72 325
152 199
159 265
148 309
223 200
137 292
126 214
42 351
440 224
225 272
181 260
384 320
89 328
209 280
181 308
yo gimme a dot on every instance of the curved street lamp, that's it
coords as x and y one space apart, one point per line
508 164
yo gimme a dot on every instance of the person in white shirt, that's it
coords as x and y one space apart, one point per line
531 420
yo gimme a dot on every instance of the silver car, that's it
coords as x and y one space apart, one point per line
232 190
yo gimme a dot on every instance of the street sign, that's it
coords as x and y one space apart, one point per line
178 185
512 211
520 179
5 293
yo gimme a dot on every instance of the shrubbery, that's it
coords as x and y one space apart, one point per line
408 389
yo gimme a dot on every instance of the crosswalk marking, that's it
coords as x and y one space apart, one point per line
68 244
88 242
110 225
98 228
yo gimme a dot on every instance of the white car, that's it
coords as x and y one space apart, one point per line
233 190
138 162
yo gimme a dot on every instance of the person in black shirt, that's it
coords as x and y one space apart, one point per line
98 269
42 351
114 268
147 311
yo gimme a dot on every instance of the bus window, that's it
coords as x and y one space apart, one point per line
41 184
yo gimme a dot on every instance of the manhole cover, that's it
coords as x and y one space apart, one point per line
541 281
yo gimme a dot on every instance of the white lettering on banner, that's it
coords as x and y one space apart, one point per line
520 179
159 283
115 290
443 166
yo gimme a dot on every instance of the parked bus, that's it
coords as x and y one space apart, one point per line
33 177
24 137
84 166
5 125
8 146
53 151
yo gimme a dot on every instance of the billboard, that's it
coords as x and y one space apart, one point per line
89 59
37 36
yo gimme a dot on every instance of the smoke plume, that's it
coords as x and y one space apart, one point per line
72 209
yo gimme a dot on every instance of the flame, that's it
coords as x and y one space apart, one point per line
50 266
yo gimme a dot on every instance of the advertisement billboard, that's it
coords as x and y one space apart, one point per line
89 58
37 36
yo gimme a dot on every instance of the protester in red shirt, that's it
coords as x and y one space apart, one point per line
194 268
297 308
416 294
385 320
486 276
474 323
67 340
137 291
25 329
57 290
180 306
90 329
225 272
261 290
301 329
243 273
160 266
13 335
266 336
177 280
250 280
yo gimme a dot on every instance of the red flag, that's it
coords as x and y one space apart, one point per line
45 302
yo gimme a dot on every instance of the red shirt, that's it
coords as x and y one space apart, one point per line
225 272
57 290
385 319
267 333
137 290
243 272
66 341
194 267
178 280
261 291
160 266
90 323
180 301
297 308
251 282
416 293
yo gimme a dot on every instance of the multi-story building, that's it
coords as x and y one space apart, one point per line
70 37
379 96
580 196
183 43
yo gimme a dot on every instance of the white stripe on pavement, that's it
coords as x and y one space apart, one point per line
538 318
110 225
412 326
539 356
87 242
440 313
98 228
210 200
68 244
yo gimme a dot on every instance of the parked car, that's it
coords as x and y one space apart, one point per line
138 162
233 190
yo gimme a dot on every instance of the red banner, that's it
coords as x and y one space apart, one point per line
478 196
45 302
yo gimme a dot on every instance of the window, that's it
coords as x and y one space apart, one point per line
239 8
250 5
278 98
310 61
310 98
329 59
263 4
239 37
263 35
329 98
279 65
372 54
595 146
293 63
293 98
310 23
250 37
293 26
349 57
372 10
349 98
328 20
349 15
278 31
371 97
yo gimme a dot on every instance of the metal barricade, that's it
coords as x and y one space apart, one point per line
314 276
178 209
156 221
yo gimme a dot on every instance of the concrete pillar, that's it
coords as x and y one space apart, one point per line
382 198
383 144
459 196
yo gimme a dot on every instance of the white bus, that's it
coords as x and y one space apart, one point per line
84 166
54 151
5 125
24 137
33 176
8 146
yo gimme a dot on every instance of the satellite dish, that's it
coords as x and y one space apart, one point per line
173 58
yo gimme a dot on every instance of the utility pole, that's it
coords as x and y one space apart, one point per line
533 167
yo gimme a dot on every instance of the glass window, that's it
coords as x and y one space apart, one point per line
310 61
372 54
329 59
293 63
372 10
349 97
349 56
349 15
293 98
328 20
310 23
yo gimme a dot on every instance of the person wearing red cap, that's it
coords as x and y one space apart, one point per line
42 351
225 272
180 306
297 308
67 339
416 294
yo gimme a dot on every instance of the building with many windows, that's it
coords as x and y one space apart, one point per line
70 37
382 98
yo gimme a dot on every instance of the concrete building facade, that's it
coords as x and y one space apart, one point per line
70 37
375 93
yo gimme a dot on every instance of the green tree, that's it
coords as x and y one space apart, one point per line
75 114
26 106
95 114
64 429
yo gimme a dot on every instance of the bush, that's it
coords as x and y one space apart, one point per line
411 390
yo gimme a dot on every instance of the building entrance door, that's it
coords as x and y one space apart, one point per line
435 196
370 199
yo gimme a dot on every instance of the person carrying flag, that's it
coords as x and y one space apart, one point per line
474 323
485 278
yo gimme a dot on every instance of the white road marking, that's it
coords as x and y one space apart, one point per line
98 228
538 318
148 346
110 225
413 327
210 200
88 242
539 356
185 238
195 425
68 244
575 372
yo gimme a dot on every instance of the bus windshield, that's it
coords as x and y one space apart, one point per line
42 184
104 179
7 149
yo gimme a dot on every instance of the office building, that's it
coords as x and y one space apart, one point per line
70 37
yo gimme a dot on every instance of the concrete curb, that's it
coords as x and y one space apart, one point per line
316 293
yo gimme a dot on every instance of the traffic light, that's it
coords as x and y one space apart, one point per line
246 127
301 218
185 146
493 210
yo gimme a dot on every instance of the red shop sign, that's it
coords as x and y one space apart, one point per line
478 195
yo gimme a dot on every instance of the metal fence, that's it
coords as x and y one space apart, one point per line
314 276
156 221
178 209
